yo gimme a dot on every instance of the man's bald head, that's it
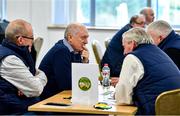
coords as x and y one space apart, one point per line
149 14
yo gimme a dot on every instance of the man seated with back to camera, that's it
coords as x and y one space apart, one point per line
20 82
3 25
166 39
57 62
146 72
114 53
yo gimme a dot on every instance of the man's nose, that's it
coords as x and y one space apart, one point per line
85 41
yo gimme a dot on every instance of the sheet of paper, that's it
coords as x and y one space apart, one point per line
85 83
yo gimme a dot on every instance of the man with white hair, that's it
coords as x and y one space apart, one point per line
166 39
57 62
144 72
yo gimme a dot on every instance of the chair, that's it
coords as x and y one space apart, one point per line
97 51
98 55
38 44
168 103
106 42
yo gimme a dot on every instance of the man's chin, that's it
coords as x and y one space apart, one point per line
79 50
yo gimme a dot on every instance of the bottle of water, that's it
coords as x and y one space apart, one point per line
106 76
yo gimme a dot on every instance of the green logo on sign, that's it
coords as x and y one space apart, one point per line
84 83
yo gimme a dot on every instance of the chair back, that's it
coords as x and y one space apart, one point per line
106 42
38 42
168 103
97 50
98 55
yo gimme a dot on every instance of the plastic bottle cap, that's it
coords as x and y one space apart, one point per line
106 64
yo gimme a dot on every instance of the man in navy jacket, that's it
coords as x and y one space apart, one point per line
114 52
166 39
146 72
20 82
57 62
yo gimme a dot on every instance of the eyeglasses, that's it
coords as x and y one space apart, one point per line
140 23
32 38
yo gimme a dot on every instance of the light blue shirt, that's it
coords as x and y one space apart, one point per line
68 45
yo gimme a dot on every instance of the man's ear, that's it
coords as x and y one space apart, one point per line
161 37
132 24
134 44
69 38
20 40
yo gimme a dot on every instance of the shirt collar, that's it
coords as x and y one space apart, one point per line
68 45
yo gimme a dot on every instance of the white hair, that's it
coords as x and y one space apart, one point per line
160 27
73 29
138 35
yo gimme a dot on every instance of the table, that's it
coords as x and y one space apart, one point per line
75 108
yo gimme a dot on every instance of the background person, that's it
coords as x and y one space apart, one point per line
57 62
113 55
146 72
3 25
149 14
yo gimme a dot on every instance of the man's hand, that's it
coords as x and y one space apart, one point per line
85 55
114 81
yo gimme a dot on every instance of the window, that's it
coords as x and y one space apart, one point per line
114 13
84 11
168 10
2 9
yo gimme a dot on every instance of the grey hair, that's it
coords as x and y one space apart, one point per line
160 27
73 29
16 28
138 35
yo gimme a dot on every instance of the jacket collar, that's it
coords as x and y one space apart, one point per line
168 39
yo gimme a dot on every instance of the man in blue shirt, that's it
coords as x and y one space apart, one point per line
57 62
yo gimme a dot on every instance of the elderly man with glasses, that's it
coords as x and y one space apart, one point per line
20 82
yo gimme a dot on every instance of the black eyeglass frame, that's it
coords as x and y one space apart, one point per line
32 38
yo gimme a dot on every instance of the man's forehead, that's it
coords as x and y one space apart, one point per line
83 32
140 19
150 11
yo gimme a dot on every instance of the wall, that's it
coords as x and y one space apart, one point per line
38 13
